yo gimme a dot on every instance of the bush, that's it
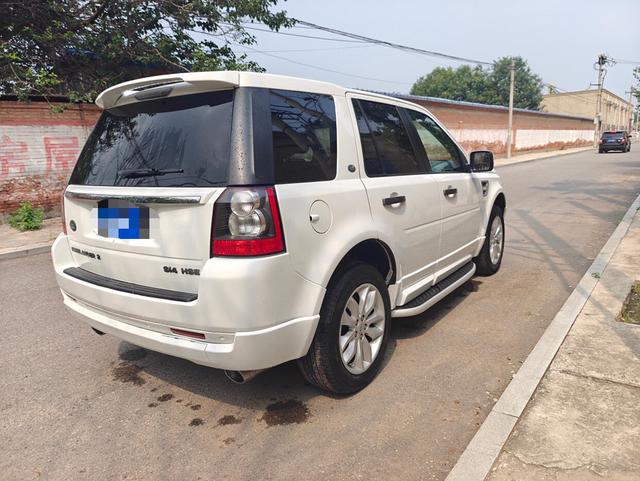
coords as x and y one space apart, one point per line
27 217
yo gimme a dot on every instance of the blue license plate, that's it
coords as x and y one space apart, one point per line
119 219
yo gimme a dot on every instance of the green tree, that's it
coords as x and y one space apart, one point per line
77 48
528 86
463 83
489 86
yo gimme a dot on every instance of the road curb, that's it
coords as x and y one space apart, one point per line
555 153
26 251
478 457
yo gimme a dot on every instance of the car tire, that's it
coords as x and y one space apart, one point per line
487 262
600 151
324 365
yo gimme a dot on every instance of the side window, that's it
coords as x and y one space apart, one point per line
386 147
442 152
304 136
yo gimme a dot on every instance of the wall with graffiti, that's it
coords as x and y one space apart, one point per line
38 150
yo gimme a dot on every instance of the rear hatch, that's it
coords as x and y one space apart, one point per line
139 203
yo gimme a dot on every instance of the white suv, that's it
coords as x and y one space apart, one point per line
242 220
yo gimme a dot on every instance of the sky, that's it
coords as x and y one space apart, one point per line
560 39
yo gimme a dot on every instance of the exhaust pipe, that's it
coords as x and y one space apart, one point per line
242 377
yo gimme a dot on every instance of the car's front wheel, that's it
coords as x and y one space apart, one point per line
490 258
352 335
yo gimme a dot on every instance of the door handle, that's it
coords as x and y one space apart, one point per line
394 199
450 192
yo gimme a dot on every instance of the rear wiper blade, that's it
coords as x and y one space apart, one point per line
135 173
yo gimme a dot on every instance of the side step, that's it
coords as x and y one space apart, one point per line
432 295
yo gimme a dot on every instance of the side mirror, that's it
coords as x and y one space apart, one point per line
481 161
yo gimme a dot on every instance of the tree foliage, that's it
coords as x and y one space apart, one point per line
488 86
77 48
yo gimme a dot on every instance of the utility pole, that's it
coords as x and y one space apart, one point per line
602 60
631 91
511 88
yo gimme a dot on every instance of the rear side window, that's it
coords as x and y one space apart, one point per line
179 141
304 136
442 152
386 146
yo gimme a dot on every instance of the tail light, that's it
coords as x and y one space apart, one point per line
246 222
63 218
600 141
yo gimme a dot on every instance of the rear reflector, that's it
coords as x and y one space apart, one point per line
195 335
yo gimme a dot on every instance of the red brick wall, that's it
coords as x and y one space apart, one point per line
38 149
484 127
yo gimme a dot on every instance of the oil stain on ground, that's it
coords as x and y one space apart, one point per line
228 419
127 372
229 440
196 422
291 411
195 407
133 354
165 397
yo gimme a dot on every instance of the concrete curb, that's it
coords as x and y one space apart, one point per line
477 459
555 153
26 251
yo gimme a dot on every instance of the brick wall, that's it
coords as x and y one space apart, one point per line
38 149
479 127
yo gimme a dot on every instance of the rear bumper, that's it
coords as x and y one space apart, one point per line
613 147
253 313
240 351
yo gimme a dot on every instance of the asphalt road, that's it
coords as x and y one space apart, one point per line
78 406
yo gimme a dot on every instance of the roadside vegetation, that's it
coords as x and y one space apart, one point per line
76 49
486 86
27 217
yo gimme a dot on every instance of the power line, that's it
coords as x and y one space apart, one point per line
298 34
629 62
346 47
362 38
306 64
325 69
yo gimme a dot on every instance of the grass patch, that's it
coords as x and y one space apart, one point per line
631 307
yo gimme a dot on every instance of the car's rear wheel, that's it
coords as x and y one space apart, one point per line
352 335
490 258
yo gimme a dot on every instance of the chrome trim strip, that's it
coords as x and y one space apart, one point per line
136 199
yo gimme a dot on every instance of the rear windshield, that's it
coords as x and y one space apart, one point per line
613 135
180 141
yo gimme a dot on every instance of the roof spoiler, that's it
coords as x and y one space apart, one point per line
166 85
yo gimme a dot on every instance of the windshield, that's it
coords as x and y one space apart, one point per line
173 142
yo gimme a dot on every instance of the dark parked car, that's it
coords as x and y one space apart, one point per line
615 140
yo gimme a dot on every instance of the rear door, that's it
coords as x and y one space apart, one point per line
460 193
403 196
139 203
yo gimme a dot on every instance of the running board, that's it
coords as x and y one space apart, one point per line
435 293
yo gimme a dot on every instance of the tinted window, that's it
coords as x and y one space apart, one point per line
187 137
442 152
304 136
386 146
613 135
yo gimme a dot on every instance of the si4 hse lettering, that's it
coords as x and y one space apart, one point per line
187 271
